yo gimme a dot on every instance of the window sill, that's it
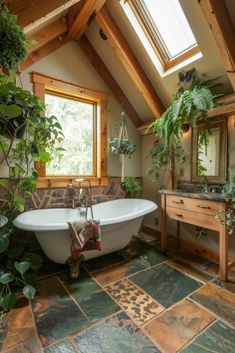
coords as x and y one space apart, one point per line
62 182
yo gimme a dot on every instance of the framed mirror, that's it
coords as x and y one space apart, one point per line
210 160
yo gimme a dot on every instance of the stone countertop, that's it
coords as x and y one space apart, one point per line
213 196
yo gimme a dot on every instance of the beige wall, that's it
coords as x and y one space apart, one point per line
69 64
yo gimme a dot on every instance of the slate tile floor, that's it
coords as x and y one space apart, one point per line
150 304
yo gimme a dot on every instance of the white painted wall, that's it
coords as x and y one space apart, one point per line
70 64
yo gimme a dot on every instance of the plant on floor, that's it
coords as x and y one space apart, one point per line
229 214
191 102
131 187
25 138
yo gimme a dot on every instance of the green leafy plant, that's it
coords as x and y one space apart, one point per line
161 155
229 214
122 144
20 154
12 42
131 187
191 102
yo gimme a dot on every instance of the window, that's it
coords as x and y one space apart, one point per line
167 29
82 113
78 121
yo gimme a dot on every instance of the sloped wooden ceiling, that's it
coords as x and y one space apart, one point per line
53 23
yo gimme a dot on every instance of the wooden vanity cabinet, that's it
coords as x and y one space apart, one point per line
198 212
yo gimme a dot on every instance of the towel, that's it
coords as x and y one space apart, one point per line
85 235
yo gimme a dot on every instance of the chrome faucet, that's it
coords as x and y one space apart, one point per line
84 195
74 194
206 186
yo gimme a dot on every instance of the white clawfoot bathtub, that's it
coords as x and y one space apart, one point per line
119 219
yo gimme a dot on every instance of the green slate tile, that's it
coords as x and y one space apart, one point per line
61 347
56 314
117 334
92 299
218 338
165 284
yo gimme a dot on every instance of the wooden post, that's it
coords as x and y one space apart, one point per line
223 246
163 223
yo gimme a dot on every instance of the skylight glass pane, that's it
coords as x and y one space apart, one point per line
172 25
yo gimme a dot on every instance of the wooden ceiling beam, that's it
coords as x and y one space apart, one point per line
47 49
126 55
79 20
47 34
105 74
34 13
222 28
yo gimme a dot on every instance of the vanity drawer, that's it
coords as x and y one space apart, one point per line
197 205
195 218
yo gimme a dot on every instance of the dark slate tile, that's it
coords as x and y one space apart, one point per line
56 314
104 261
117 334
219 301
93 300
165 284
61 347
218 338
29 346
191 271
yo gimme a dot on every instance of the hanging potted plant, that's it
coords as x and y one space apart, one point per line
122 145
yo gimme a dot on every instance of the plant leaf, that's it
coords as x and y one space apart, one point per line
29 291
11 111
4 243
22 266
8 301
7 278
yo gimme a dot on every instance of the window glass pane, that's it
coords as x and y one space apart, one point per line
172 25
76 119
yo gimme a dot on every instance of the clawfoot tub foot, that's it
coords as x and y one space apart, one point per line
130 250
74 263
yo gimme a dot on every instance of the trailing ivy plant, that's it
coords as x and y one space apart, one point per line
37 142
12 41
229 214
131 187
191 102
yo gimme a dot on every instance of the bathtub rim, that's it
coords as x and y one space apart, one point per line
64 226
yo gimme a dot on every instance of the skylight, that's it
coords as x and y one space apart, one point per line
171 24
164 31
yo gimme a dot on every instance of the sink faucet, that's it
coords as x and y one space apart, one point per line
206 186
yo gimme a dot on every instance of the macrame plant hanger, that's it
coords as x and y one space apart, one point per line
123 134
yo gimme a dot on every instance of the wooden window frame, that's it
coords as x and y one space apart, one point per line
43 84
158 44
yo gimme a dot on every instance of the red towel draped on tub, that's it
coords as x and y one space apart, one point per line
85 235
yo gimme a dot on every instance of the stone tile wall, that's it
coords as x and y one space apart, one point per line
62 197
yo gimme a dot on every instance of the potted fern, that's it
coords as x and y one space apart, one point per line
191 102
